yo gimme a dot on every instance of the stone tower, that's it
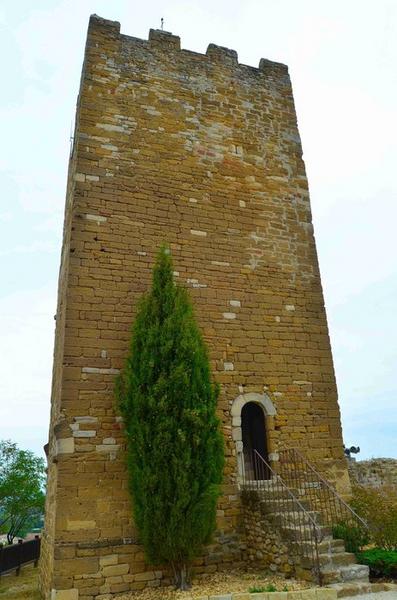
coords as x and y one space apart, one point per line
204 153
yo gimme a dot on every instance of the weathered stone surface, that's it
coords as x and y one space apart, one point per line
112 570
72 594
374 472
204 153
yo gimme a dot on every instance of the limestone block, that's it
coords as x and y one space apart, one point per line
110 559
112 570
86 433
86 419
78 525
309 594
65 446
235 303
146 576
107 447
72 594
326 594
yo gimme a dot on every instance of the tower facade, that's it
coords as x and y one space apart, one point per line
203 153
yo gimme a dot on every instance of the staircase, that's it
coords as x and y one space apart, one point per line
303 515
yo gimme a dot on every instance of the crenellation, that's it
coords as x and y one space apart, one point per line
164 40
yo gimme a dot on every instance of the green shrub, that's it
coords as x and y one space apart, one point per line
269 588
382 563
354 536
378 507
174 443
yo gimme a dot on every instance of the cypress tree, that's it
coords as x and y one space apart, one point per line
174 444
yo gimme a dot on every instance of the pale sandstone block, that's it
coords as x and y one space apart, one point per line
85 419
310 594
107 447
77 525
112 570
100 371
84 433
146 576
220 263
326 594
72 594
111 559
65 446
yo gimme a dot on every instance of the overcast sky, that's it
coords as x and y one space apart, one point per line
342 56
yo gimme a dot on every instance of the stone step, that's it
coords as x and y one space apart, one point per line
358 588
333 560
338 559
276 492
355 573
281 505
327 545
298 517
294 533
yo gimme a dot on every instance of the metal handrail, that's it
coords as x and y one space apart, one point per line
334 506
263 472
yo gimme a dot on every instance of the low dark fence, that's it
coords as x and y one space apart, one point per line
12 557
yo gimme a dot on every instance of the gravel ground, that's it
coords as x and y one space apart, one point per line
217 583
376 596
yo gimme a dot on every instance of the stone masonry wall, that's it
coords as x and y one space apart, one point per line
374 472
264 547
203 153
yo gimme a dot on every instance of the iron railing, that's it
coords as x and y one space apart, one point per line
300 529
298 473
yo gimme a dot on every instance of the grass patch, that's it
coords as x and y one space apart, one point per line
24 587
270 587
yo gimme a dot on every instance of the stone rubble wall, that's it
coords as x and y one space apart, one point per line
264 547
374 472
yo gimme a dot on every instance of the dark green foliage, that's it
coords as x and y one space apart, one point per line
382 563
354 536
270 587
22 477
168 402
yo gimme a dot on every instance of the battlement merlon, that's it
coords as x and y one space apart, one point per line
165 41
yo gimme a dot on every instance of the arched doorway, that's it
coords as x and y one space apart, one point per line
253 431
268 411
